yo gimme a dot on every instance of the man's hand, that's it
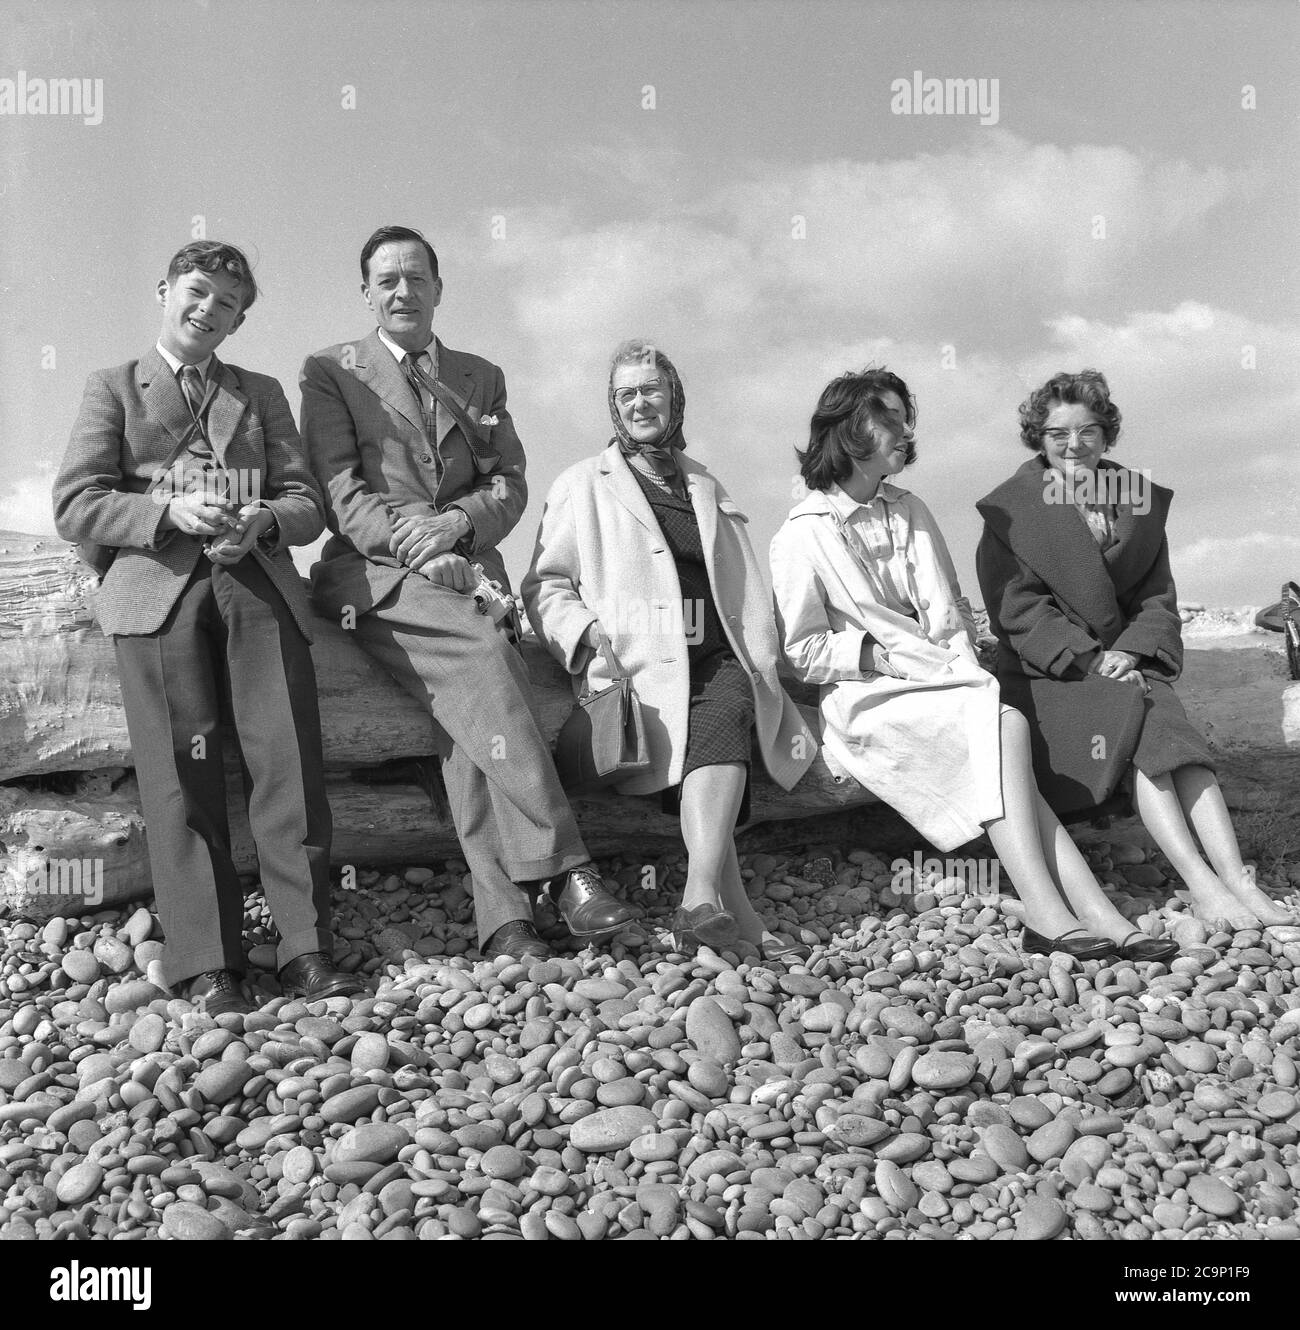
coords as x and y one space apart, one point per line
417 540
1115 664
449 570
250 523
1136 678
199 514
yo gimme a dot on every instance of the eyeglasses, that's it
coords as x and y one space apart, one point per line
652 391
1088 434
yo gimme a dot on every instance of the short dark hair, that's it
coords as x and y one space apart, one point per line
841 425
387 235
215 256
1086 388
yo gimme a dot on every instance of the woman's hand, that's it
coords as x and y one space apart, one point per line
1134 677
1115 664
593 635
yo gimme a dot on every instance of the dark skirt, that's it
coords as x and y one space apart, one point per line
720 726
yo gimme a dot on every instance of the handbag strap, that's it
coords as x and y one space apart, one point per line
605 648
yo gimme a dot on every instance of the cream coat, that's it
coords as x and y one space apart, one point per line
601 557
922 733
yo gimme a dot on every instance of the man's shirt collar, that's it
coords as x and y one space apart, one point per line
176 364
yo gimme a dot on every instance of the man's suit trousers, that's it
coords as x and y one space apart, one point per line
229 646
511 814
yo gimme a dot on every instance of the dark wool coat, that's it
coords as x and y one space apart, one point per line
1054 600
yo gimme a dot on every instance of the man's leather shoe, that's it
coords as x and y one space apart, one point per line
314 977
219 992
519 939
587 906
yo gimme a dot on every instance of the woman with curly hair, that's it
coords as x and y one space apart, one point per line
1074 567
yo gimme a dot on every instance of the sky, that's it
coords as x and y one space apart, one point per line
742 183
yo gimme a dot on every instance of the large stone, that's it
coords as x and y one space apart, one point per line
611 1129
711 1030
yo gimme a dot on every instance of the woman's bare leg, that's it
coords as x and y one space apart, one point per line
735 899
1070 872
1016 838
710 804
1161 812
1203 806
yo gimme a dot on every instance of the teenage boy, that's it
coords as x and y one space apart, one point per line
192 471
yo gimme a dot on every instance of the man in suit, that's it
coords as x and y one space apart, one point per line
192 472
423 473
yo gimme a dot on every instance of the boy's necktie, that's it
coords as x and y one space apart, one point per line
195 396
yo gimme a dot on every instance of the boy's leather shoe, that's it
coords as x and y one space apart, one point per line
313 977
587 906
519 939
219 992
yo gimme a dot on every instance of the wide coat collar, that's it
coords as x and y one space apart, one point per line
165 402
1052 539
377 367
617 480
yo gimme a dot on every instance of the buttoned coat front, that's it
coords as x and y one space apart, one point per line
365 436
922 731
130 421
600 557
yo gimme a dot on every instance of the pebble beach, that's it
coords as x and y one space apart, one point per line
917 1077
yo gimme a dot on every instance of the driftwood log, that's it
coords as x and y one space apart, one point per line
68 797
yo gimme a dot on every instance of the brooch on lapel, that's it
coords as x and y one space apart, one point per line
489 421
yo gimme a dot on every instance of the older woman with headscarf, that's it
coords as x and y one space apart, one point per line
1074 566
641 546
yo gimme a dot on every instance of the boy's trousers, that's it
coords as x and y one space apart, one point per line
229 647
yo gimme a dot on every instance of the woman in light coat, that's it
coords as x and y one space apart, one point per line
868 606
641 546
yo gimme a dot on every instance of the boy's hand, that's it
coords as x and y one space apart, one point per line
242 534
199 514
449 570
418 540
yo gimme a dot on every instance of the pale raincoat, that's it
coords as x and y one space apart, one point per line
922 733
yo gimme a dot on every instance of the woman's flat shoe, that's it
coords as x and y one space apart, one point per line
779 950
1083 947
704 926
1138 947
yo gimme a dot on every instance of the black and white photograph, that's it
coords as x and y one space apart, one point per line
650 619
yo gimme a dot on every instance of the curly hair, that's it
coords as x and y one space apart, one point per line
841 429
215 256
1086 388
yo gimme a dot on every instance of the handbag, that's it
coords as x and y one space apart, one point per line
603 740
99 558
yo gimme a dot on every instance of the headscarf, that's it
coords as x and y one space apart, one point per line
662 454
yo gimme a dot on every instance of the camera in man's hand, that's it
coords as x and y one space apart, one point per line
492 600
